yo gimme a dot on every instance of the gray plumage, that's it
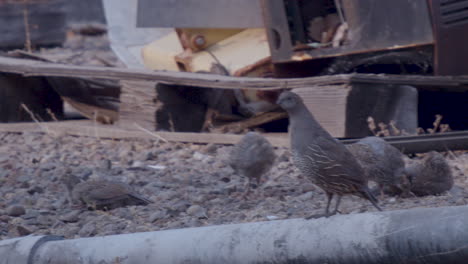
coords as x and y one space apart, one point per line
102 194
320 157
382 163
252 157
431 175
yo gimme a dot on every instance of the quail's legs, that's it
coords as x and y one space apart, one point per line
327 209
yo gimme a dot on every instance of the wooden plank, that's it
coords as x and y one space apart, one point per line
251 122
328 104
38 68
137 104
88 129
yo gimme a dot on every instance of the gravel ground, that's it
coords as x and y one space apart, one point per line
191 185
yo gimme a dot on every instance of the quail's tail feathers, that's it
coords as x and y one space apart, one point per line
369 196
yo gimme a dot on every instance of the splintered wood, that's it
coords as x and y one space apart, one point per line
138 104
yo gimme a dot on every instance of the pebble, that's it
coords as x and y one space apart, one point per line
23 231
306 196
31 214
71 217
15 210
137 164
157 216
197 211
89 229
35 189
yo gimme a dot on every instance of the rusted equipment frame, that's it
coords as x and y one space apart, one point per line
372 27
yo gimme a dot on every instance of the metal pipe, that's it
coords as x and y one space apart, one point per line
457 140
422 235
22 249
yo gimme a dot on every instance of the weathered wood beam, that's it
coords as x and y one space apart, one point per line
88 129
38 68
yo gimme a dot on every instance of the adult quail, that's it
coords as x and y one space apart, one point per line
382 163
102 194
320 157
252 157
431 175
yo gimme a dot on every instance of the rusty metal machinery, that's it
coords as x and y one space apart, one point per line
300 38
427 33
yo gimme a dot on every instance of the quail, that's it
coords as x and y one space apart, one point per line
102 194
382 163
320 157
252 157
431 175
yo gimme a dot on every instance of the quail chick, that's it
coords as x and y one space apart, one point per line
382 163
102 194
252 157
321 158
431 175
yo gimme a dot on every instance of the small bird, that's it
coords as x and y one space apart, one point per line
102 194
252 157
382 163
431 175
320 157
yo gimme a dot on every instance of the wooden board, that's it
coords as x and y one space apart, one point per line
329 105
326 96
88 129
38 68
137 104
407 144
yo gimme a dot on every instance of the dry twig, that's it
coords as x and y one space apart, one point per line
33 117
150 133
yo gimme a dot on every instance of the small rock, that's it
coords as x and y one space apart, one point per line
48 166
157 215
198 156
71 231
44 220
149 155
157 167
25 185
105 164
197 211
84 173
23 231
306 196
71 217
137 164
272 217
457 194
4 218
15 210
35 189
210 148
89 229
229 189
123 212
31 214
177 207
